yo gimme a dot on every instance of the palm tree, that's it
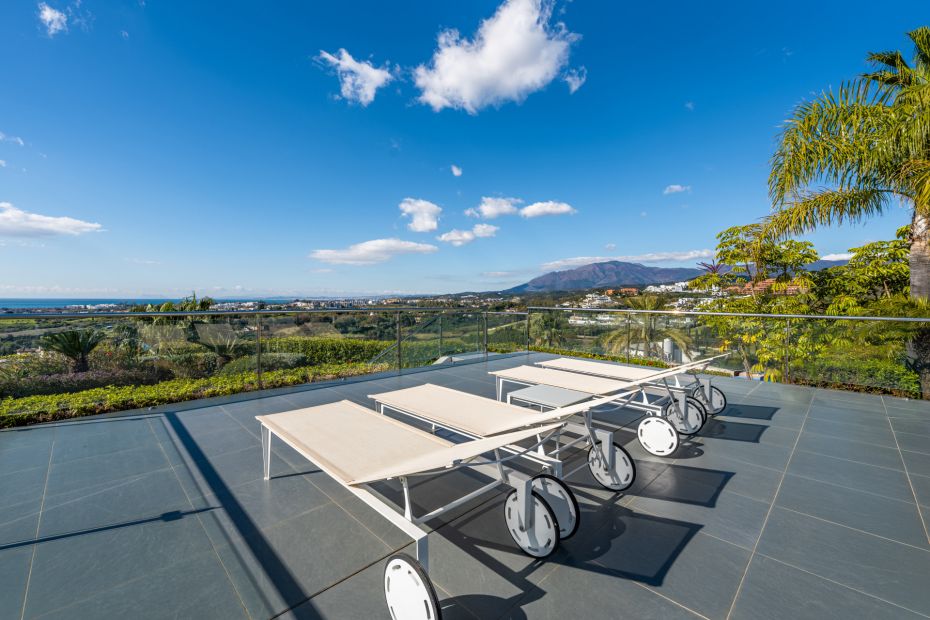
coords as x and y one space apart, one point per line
646 331
75 345
870 143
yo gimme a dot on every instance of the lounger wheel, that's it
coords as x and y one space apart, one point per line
717 401
617 478
657 436
408 591
692 420
542 538
562 502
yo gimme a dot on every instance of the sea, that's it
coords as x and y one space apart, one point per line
82 304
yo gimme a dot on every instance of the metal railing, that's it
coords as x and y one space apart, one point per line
184 355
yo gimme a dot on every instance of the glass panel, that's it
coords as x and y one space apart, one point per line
506 332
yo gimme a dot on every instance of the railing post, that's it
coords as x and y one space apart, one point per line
629 333
786 372
527 330
399 358
258 353
440 334
485 335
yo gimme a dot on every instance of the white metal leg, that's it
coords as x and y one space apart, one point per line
266 451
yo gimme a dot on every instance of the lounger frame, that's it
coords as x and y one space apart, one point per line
407 522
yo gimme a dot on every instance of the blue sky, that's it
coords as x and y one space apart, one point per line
155 147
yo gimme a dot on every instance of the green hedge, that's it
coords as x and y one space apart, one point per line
875 376
327 350
35 409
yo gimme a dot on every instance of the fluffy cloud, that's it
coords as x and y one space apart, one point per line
424 215
13 139
538 209
652 257
2 163
491 208
839 256
689 106
514 53
372 252
54 21
18 223
456 171
358 80
575 78
460 237
676 189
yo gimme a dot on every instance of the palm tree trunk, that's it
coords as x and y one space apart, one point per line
919 257
918 348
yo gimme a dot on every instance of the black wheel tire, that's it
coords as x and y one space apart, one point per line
692 402
421 573
716 393
548 509
574 506
632 466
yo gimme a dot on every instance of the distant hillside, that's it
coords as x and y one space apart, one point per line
600 275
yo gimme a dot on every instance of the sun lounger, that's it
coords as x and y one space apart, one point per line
476 417
709 395
357 447
672 414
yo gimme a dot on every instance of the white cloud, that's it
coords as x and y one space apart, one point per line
424 215
838 256
575 78
460 237
643 214
13 139
2 163
491 208
689 106
358 80
18 223
652 257
610 246
54 21
456 171
124 34
549 207
372 252
142 261
485 230
514 53
495 275
676 189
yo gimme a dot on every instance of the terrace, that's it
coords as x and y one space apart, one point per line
793 502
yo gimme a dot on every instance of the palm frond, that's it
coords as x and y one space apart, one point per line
825 208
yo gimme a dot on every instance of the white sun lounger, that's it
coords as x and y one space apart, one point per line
357 447
709 395
476 417
673 414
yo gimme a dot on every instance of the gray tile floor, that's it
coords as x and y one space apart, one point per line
794 502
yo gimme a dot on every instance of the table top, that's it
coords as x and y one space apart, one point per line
549 396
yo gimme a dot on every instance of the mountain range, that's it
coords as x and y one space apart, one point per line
599 275
617 273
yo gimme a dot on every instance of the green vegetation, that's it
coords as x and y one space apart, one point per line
34 409
75 345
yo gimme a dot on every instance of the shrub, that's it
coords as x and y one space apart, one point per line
22 365
35 409
73 382
327 350
878 376
190 363
270 361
